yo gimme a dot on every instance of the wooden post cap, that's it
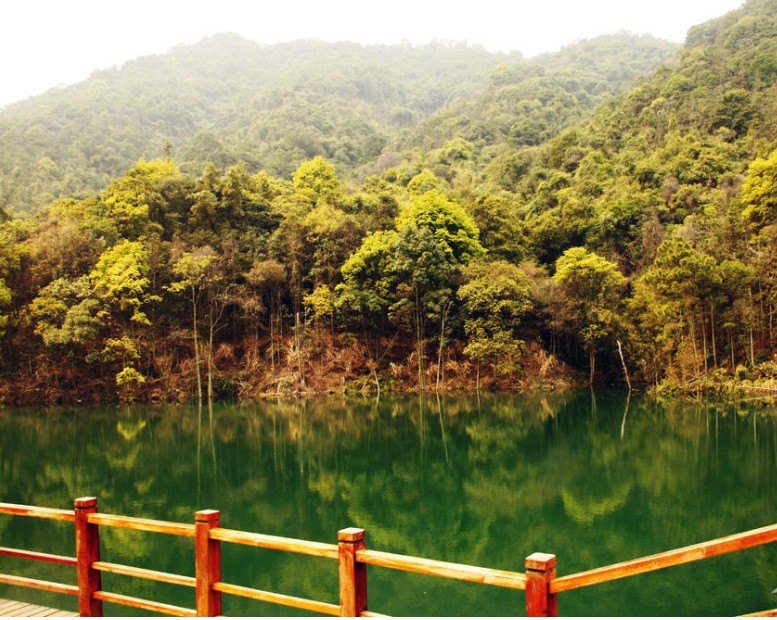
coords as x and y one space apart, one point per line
207 516
85 502
351 534
540 561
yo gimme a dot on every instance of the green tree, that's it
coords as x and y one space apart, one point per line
204 200
269 277
736 284
448 222
318 178
321 304
592 286
120 279
131 200
369 290
425 269
496 296
331 235
436 237
369 280
501 229
193 270
424 181
759 192
684 282
66 313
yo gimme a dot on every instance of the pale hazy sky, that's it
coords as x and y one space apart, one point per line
49 43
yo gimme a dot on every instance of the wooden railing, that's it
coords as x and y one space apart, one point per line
539 581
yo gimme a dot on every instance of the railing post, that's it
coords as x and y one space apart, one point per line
540 570
87 552
353 574
207 563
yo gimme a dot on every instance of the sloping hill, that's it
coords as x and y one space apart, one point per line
674 147
227 99
527 103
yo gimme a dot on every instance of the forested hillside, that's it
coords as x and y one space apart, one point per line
638 245
227 99
526 103
674 183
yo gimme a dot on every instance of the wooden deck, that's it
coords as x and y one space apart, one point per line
14 609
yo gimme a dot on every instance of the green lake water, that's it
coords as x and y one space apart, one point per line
593 479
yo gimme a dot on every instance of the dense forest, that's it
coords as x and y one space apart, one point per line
227 99
514 224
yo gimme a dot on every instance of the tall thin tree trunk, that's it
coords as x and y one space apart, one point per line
682 344
419 342
377 380
704 340
623 363
752 349
712 332
210 354
279 323
592 364
692 334
439 349
761 306
750 329
272 341
298 340
196 348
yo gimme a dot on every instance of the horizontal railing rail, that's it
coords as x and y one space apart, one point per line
675 557
36 511
145 573
278 599
279 543
447 570
540 582
36 555
141 603
38 584
142 525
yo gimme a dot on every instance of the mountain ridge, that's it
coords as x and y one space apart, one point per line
226 99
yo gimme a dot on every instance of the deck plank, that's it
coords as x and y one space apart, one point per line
17 609
31 611
16 605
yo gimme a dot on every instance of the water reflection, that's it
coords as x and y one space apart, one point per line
593 478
